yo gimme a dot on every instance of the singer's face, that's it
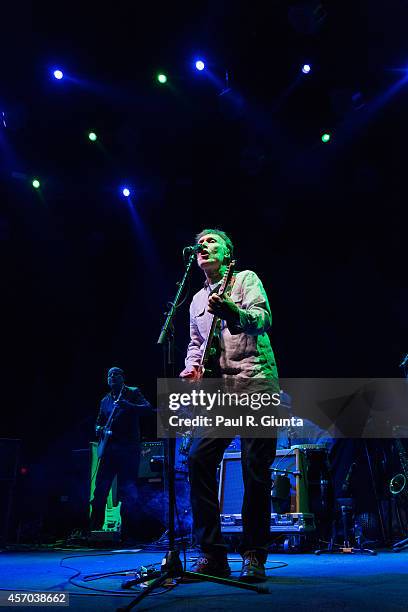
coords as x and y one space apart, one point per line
214 252
115 378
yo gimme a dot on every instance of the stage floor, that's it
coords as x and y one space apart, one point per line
307 582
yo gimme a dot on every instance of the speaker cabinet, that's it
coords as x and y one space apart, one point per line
231 486
151 461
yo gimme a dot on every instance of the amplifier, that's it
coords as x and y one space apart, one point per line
151 460
288 462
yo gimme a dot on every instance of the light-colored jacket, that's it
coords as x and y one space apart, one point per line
245 348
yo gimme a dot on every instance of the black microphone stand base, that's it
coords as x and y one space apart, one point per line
350 550
346 505
172 569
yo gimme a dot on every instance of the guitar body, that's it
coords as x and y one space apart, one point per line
212 368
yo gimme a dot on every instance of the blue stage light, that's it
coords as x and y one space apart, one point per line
126 192
58 74
306 68
200 65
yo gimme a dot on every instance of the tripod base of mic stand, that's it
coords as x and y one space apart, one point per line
347 550
346 505
171 567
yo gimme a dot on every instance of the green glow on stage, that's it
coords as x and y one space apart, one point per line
162 78
36 184
326 137
92 136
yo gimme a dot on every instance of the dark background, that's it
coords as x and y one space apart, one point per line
86 274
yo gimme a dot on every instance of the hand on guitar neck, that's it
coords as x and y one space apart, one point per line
223 308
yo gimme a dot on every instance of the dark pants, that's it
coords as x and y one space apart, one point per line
256 456
123 462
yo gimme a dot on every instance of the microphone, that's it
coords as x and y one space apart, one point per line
195 248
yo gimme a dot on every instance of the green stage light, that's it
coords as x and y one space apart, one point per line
92 136
36 184
162 78
326 137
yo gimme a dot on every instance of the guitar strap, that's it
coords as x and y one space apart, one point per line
120 395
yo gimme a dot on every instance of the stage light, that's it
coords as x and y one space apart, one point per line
36 184
126 192
200 65
58 74
162 78
306 68
326 137
92 136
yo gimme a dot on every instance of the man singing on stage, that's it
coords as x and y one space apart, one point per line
245 352
121 453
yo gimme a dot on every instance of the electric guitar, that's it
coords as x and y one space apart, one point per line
105 432
209 364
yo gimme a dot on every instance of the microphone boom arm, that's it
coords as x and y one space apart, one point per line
174 304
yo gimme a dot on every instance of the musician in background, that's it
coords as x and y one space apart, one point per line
246 352
121 455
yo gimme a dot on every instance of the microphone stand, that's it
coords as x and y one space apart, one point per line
171 566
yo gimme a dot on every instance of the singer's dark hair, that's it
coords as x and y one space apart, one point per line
222 235
116 369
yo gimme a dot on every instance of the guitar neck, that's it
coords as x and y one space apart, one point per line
215 320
